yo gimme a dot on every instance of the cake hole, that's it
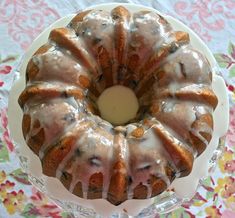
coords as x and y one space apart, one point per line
118 105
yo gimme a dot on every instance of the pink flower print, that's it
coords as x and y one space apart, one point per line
230 166
213 211
14 201
226 162
26 19
3 71
44 208
228 214
200 15
231 131
225 187
6 137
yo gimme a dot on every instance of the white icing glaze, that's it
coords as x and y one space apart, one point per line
93 39
60 115
147 156
56 65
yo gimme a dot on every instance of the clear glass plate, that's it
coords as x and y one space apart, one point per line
163 203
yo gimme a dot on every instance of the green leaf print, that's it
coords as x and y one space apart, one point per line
179 213
209 195
223 60
231 50
30 211
20 176
206 181
8 59
4 156
232 71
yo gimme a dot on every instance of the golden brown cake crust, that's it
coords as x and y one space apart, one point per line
92 158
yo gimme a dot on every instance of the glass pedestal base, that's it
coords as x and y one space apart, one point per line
163 203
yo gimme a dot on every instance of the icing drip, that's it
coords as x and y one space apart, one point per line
88 157
147 157
96 31
122 36
153 40
59 115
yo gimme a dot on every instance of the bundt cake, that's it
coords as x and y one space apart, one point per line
92 157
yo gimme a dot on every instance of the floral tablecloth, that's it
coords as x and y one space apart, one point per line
22 21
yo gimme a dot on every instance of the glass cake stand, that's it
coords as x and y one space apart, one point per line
163 203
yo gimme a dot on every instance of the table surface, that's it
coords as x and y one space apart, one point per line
22 21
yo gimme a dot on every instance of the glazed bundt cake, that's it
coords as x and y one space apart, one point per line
92 157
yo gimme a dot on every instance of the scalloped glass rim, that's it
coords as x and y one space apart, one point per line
163 203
